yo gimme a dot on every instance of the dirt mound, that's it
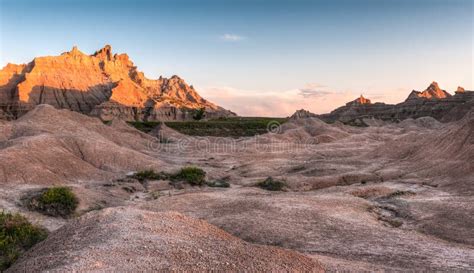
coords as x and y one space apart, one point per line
425 122
165 133
307 131
445 154
126 239
452 142
48 146
335 223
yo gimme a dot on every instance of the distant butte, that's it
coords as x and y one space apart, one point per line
433 102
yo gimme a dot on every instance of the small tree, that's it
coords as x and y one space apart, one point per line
199 113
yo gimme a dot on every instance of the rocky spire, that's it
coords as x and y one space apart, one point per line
302 113
460 90
359 101
74 52
433 87
104 53
432 92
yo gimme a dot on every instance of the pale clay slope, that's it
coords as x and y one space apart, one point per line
126 239
389 197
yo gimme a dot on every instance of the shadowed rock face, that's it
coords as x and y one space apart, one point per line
433 102
102 84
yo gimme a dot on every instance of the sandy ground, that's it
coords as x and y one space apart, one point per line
126 239
391 197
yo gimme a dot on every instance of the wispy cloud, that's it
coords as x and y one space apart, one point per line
312 90
232 37
277 103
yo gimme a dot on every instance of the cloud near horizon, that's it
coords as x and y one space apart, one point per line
314 90
232 37
276 104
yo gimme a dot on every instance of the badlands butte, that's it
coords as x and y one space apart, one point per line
367 187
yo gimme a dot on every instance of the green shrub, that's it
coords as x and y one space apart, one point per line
149 175
16 236
56 201
271 185
192 175
199 113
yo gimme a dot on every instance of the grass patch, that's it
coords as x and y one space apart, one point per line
220 127
149 175
56 201
144 126
271 184
17 235
192 175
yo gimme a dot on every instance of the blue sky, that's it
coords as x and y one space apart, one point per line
260 57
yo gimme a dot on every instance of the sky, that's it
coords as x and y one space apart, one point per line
262 57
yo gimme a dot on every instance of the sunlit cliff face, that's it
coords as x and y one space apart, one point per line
81 82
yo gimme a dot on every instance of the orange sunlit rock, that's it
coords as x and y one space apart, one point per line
92 84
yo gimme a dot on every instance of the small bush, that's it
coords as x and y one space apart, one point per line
199 113
149 175
57 201
16 236
192 175
271 185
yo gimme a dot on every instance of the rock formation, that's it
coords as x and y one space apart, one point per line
460 90
432 92
359 101
302 113
103 84
433 102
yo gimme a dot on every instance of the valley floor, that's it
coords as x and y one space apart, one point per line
389 197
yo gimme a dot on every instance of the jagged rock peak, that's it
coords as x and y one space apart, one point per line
432 92
460 90
74 52
302 113
359 101
433 86
363 100
104 53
